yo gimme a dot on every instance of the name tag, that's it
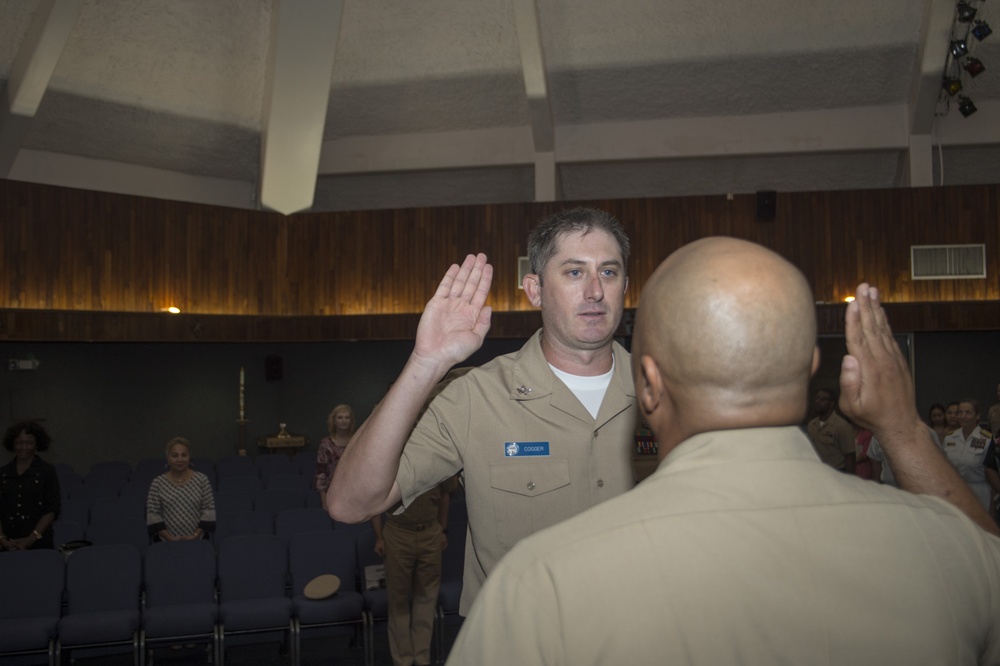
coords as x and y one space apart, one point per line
512 449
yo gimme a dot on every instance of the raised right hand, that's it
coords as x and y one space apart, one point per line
456 319
876 389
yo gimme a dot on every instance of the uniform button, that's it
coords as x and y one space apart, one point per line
531 485
600 483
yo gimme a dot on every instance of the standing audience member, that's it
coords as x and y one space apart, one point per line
935 417
540 434
341 425
742 548
411 543
863 463
881 471
950 418
992 471
966 450
29 490
180 505
994 415
830 434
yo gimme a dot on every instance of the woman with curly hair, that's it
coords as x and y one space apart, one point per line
29 490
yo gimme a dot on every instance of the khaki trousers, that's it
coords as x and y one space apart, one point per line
412 579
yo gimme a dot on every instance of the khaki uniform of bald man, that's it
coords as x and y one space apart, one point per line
743 547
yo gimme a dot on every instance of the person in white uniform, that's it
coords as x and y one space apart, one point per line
966 450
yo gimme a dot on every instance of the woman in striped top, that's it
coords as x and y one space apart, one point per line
180 505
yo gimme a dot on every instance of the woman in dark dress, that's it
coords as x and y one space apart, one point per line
29 490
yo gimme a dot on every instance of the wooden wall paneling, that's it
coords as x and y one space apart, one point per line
90 252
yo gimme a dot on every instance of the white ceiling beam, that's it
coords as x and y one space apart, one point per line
546 177
925 89
831 130
34 166
529 38
932 50
31 72
300 65
840 130
456 149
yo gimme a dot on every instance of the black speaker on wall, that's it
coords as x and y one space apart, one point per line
766 202
273 368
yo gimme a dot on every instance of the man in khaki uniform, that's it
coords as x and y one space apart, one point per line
411 543
743 547
831 436
540 434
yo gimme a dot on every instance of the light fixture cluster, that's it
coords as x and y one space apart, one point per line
966 32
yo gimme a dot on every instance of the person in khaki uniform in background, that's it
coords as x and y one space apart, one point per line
411 543
540 434
743 547
831 436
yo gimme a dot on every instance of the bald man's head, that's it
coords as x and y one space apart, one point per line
731 328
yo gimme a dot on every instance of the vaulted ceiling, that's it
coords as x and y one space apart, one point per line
326 105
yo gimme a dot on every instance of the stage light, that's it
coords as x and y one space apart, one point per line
966 107
982 30
965 12
959 48
953 86
974 66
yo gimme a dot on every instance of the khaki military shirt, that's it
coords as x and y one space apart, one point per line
742 548
562 460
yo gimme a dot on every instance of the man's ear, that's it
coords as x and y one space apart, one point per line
532 285
649 386
815 365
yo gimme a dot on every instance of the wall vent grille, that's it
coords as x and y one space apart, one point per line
947 262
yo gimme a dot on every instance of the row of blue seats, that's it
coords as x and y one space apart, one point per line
83 511
188 591
89 494
305 461
133 530
119 477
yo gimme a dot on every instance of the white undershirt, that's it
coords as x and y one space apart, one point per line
588 390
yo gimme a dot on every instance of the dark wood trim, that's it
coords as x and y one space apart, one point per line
75 326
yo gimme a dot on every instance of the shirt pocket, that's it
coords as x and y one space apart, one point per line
529 495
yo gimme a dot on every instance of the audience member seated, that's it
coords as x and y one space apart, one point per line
29 490
180 505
